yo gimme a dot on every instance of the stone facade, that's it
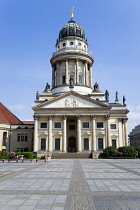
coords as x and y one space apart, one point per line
74 116
134 136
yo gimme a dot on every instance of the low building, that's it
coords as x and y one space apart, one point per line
134 136
15 135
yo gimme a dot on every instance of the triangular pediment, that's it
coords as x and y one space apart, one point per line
71 100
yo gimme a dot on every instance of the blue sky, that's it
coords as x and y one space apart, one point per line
29 29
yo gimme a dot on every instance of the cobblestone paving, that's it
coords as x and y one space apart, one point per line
84 184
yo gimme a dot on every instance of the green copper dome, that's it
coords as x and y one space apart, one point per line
71 29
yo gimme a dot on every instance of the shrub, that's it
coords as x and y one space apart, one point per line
128 151
137 148
3 155
109 152
27 155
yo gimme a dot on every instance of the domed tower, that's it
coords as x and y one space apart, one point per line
71 61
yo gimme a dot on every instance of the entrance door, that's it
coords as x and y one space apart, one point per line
72 144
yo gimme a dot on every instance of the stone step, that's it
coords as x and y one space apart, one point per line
71 155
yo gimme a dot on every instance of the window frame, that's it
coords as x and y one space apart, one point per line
57 148
41 144
99 143
57 123
113 125
85 123
99 127
115 142
86 144
43 123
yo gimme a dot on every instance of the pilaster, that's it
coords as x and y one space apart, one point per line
36 143
79 133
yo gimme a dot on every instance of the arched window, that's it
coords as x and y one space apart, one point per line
4 139
80 79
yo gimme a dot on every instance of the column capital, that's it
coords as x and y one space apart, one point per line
93 117
119 119
77 59
64 117
124 120
78 117
107 117
66 60
50 117
36 117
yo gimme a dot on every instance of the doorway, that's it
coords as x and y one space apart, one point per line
72 144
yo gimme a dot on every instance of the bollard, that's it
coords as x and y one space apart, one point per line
31 160
36 161
17 161
8 161
2 161
45 160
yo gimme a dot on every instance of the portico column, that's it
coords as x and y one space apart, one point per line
66 73
125 131
77 64
79 133
57 74
64 143
120 142
86 82
90 76
53 77
94 143
50 133
36 118
84 73
108 141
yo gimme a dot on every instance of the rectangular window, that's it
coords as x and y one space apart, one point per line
114 142
100 125
57 125
18 137
112 126
43 144
71 127
43 125
85 124
57 144
86 144
22 137
80 79
63 80
100 143
26 137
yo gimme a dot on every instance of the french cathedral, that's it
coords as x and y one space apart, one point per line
75 116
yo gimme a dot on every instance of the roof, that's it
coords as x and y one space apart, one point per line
28 122
7 116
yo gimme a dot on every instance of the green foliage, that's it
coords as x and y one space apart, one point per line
42 157
27 155
128 151
3 155
138 150
109 152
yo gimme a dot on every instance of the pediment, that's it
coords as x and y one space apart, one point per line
71 100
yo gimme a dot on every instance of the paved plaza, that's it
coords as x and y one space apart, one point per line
80 184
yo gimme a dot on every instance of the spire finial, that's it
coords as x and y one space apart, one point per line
72 13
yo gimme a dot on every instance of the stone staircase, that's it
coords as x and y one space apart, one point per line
69 155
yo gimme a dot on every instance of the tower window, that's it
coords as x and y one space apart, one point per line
63 79
80 79
79 44
64 44
71 43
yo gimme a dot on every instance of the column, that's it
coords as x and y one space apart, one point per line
77 65
36 118
50 134
125 131
86 82
90 76
84 73
79 133
66 73
120 140
53 77
108 141
64 143
57 74
94 141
